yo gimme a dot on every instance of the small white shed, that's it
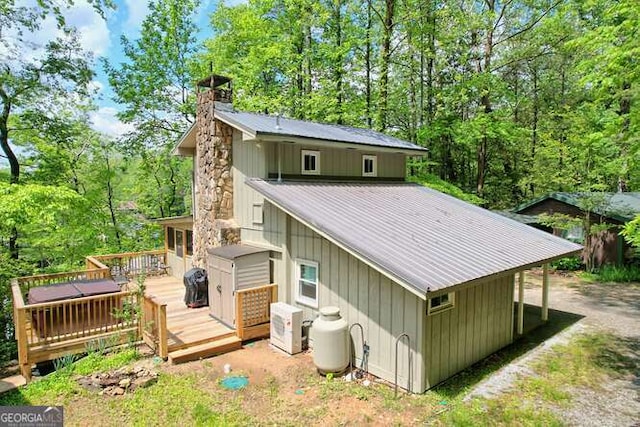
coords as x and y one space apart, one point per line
231 268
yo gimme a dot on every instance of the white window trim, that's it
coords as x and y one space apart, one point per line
374 158
313 303
314 153
441 308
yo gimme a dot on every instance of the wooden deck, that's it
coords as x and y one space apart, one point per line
191 332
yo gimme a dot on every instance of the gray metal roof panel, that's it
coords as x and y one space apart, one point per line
426 239
235 251
267 125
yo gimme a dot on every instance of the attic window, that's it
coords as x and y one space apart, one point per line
369 165
310 162
440 303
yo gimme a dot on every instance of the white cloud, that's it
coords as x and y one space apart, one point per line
104 120
93 33
138 10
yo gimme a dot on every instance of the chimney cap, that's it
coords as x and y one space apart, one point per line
213 81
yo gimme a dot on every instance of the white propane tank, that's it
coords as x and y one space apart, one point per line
330 341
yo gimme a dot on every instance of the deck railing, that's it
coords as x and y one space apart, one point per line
46 331
253 311
131 264
153 328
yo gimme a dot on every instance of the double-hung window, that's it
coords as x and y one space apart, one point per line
310 162
307 282
369 165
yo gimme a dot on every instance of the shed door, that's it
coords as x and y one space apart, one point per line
221 290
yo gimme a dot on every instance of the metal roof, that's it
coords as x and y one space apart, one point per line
263 124
235 251
175 220
423 239
525 219
621 206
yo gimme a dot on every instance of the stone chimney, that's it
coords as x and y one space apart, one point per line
213 223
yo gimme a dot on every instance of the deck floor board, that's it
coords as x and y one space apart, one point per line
186 327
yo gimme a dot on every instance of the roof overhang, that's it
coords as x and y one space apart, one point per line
185 220
313 142
187 143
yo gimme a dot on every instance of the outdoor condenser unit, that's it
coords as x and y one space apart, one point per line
286 327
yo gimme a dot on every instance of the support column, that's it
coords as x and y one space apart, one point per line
520 302
545 292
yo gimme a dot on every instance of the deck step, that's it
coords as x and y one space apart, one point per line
208 349
176 343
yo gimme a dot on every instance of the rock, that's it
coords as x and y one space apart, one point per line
125 383
143 382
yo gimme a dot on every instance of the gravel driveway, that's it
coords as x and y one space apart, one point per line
610 307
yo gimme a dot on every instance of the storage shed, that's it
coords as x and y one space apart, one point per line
232 268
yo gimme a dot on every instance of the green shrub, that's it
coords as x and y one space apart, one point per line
572 263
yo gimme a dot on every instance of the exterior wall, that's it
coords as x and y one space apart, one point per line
382 307
213 181
334 161
178 265
480 323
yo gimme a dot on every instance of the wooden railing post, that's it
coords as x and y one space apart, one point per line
163 344
239 315
20 324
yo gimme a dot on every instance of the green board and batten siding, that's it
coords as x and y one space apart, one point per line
479 324
333 161
383 308
249 162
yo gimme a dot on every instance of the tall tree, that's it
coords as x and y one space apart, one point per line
155 87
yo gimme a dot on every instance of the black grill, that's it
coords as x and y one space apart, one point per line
196 288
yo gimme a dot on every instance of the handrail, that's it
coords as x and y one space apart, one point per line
352 349
403 335
129 254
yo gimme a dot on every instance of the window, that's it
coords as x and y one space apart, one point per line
310 162
189 235
258 217
179 244
440 303
171 239
307 283
369 165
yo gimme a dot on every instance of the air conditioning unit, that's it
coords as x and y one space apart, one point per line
286 327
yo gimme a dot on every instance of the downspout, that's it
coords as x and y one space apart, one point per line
279 162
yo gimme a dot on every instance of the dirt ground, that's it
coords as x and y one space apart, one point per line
295 386
296 393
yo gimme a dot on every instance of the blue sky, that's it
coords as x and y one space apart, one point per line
102 37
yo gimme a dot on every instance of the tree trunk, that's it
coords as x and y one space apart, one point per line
13 164
384 64
367 65
485 101
339 72
110 201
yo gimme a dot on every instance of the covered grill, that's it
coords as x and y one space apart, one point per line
196 288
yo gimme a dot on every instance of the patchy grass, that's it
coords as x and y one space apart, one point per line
613 273
299 396
587 361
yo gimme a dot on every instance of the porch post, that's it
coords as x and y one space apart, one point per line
545 292
520 302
